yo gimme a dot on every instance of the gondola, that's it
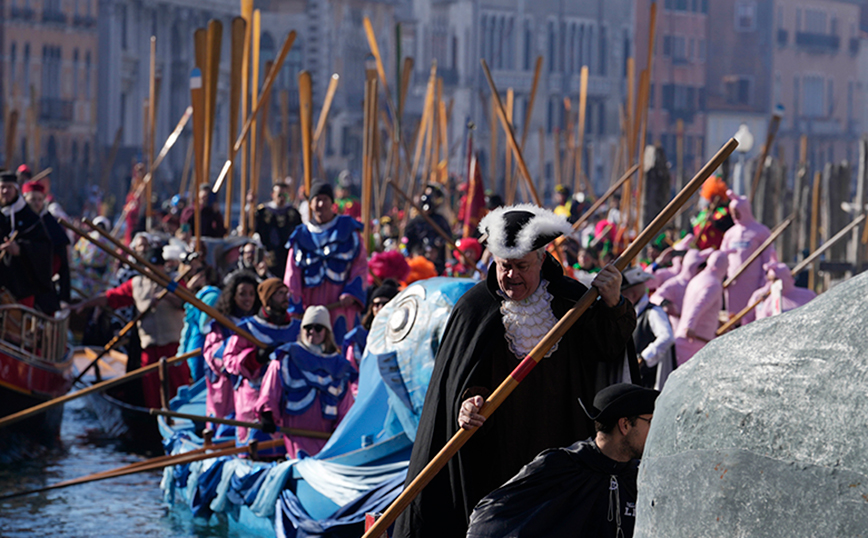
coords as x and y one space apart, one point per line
35 366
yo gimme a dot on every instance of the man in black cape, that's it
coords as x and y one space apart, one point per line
492 328
25 270
588 489
50 302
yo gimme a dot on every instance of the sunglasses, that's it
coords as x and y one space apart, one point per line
314 328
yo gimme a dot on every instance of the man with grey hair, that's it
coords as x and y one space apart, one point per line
492 328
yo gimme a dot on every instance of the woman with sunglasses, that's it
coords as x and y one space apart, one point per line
307 385
237 301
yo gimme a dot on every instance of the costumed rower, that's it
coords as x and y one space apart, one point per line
740 242
670 295
25 271
159 329
307 385
491 329
272 326
34 194
237 301
275 222
783 294
700 311
327 263
653 338
587 489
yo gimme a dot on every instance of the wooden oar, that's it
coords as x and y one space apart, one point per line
774 124
127 328
180 459
157 276
324 113
239 30
579 182
247 15
12 237
42 174
213 40
795 271
99 387
269 81
758 252
306 119
151 129
539 351
255 102
510 134
600 201
250 425
176 133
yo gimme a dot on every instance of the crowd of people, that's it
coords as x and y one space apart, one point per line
307 285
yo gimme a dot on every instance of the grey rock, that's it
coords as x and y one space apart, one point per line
765 431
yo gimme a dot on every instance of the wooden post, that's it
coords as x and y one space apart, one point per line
247 15
305 115
255 37
239 30
214 37
151 129
198 102
815 222
774 124
580 146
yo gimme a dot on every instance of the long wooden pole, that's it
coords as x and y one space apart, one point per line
507 168
779 229
255 38
214 37
238 423
528 112
795 271
236 62
197 98
306 117
326 107
815 223
99 387
539 351
580 146
247 15
774 124
157 463
151 128
510 135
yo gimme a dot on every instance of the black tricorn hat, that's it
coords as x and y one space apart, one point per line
514 231
621 400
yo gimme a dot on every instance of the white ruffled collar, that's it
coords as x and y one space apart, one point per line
526 322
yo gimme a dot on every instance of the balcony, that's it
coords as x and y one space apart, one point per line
84 21
54 16
783 37
57 110
818 42
21 13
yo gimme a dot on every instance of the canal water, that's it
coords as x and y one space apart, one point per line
127 506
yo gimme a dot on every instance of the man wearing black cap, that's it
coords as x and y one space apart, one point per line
587 489
492 328
275 222
420 233
26 266
327 263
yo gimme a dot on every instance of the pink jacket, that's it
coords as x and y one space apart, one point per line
703 300
220 398
791 296
673 289
740 242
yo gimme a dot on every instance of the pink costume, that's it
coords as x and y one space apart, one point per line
740 242
703 300
326 262
787 298
239 359
672 291
220 399
662 274
306 390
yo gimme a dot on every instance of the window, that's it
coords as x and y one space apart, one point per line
603 53
552 46
813 105
796 94
737 90
528 45
830 97
88 75
12 65
745 16
75 74
25 76
122 14
703 50
815 21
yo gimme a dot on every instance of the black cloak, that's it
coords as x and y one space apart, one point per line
542 412
29 273
562 492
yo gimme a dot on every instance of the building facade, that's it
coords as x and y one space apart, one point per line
50 59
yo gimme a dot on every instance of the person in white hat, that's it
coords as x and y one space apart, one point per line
653 339
492 328
307 385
